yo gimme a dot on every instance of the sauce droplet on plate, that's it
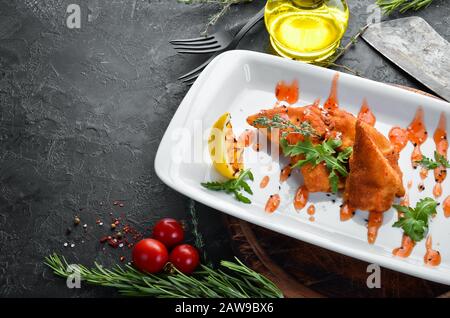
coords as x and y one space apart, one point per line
332 101
432 257
421 187
417 134
301 197
446 207
311 211
273 203
264 182
366 115
406 249
346 212
404 202
398 138
410 183
287 93
423 173
285 173
375 222
441 142
437 190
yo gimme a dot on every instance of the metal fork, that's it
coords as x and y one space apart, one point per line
190 77
202 45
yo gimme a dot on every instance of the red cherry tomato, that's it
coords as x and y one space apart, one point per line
185 258
150 255
169 232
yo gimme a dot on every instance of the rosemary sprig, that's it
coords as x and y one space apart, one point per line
277 121
198 237
390 6
235 281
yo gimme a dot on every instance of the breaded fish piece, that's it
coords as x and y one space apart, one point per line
342 124
375 178
296 115
316 178
336 123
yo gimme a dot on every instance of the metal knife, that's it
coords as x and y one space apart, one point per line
413 45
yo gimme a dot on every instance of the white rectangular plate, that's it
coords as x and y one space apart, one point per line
242 83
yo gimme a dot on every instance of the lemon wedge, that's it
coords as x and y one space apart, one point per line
225 152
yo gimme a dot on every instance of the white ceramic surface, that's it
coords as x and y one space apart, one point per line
242 83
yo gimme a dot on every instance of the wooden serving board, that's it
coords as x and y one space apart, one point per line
300 269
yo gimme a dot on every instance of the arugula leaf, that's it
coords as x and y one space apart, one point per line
430 164
334 181
414 221
233 186
315 154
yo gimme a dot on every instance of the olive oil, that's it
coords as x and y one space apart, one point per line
306 30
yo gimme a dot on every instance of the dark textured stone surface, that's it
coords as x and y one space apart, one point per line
81 116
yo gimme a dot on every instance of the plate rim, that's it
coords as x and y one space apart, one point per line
160 166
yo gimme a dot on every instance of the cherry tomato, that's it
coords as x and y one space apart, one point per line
150 255
169 232
185 258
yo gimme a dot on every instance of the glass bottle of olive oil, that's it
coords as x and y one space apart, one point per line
306 30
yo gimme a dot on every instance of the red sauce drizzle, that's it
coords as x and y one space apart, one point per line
417 134
404 201
432 257
346 212
375 222
423 173
366 115
440 139
287 92
285 173
301 198
409 184
332 101
406 249
246 138
446 207
416 156
437 190
311 211
273 203
264 182
398 138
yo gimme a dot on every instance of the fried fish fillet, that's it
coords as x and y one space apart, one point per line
296 115
375 178
335 123
315 178
342 124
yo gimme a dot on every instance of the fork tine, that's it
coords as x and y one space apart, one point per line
201 47
195 44
199 39
192 78
191 82
194 51
198 68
